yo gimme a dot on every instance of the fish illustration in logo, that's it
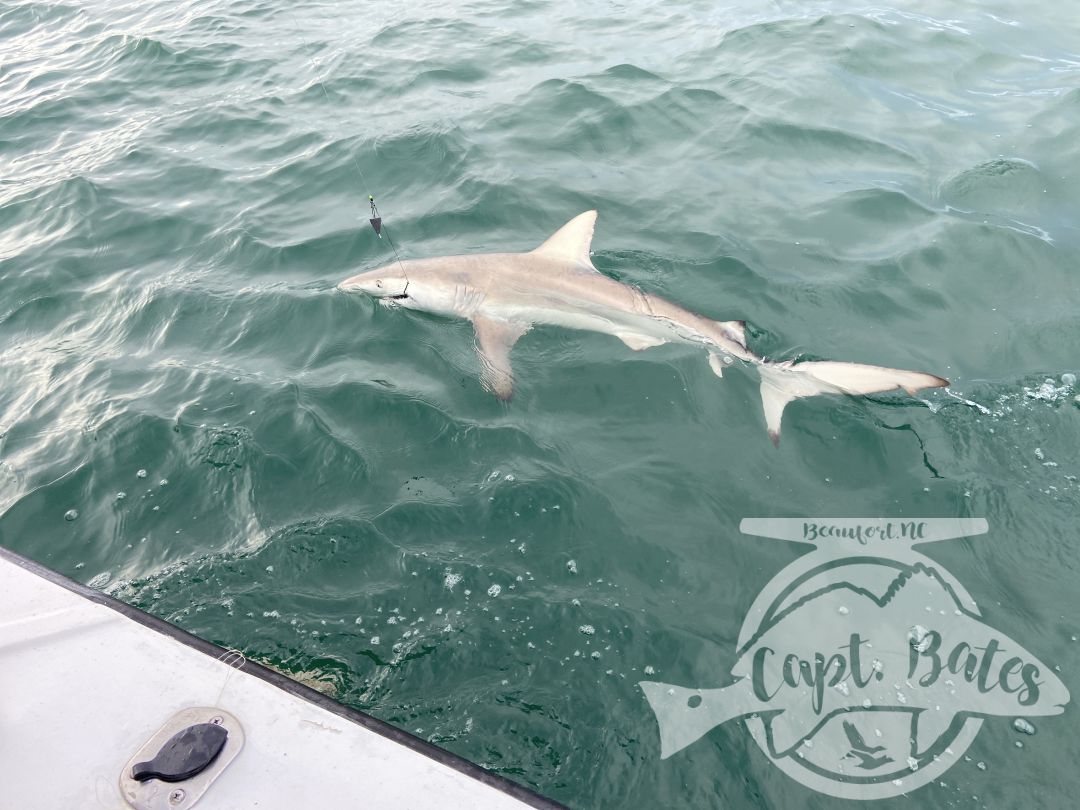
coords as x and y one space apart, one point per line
868 683
842 650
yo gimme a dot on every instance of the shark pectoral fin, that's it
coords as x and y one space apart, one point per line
638 342
573 240
494 340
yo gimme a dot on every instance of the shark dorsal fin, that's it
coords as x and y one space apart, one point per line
573 240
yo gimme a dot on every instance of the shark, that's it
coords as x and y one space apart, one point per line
505 294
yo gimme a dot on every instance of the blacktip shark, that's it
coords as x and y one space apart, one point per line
505 294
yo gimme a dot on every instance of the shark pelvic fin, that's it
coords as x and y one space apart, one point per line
738 329
494 340
716 363
783 382
573 240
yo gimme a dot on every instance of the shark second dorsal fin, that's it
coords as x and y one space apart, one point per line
573 240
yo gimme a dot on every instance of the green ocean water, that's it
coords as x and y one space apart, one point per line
322 483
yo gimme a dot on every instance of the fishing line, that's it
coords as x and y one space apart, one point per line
375 219
234 660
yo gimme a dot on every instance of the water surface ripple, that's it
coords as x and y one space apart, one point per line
322 483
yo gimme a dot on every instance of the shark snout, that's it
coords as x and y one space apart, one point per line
353 284
376 283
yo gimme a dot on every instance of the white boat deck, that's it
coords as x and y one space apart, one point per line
85 681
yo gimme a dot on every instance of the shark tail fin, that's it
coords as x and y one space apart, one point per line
783 382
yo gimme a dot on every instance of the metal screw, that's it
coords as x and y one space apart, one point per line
217 721
176 797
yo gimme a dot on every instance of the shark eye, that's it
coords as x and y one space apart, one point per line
378 282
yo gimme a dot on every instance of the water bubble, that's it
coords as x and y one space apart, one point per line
163 482
1047 392
843 610
141 474
980 765
494 590
374 640
71 514
1068 379
1023 726
571 566
649 670
100 581
920 638
121 495
450 580
587 629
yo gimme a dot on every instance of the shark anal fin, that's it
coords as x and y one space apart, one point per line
638 342
494 340
573 240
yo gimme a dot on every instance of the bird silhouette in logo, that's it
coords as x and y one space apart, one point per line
863 752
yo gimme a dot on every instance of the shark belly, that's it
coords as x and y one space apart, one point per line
629 327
